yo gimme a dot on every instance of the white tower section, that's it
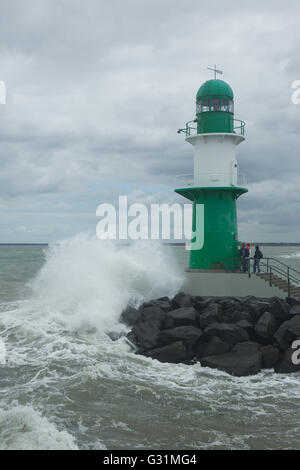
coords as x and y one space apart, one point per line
215 161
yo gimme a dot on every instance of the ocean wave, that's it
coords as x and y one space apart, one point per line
23 428
60 359
295 255
87 283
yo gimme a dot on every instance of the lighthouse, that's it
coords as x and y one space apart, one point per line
215 184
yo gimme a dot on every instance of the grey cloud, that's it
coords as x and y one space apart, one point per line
97 91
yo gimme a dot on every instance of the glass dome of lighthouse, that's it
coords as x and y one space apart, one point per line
215 107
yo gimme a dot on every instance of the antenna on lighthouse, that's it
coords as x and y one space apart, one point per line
215 70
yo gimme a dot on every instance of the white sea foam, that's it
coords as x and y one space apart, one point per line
295 255
87 282
23 428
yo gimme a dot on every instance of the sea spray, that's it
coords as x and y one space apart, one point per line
104 396
23 428
88 282
295 255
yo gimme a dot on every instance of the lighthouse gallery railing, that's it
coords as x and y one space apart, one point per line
189 130
210 179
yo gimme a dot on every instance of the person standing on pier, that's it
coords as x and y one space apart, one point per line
257 257
245 258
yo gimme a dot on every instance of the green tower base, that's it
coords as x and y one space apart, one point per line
220 250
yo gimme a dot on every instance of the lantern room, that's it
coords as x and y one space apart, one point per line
215 108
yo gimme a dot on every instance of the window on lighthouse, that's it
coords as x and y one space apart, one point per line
215 104
225 106
203 106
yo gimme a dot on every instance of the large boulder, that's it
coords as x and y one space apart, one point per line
144 335
152 314
115 335
237 335
292 301
295 309
181 317
132 339
289 362
288 332
249 299
145 331
174 353
215 347
212 314
229 304
280 309
270 356
182 300
236 315
233 311
230 334
188 334
130 316
255 307
266 326
245 325
163 302
239 364
201 304
248 347
198 298
200 347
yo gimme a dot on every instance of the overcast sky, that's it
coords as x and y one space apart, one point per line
96 91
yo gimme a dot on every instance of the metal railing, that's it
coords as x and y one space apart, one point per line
237 129
211 179
275 269
187 129
240 127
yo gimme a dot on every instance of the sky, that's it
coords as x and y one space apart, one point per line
95 93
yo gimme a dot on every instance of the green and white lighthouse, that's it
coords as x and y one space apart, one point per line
215 184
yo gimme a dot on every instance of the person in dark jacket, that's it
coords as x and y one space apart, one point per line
245 258
257 257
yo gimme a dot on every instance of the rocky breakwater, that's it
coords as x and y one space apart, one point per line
240 336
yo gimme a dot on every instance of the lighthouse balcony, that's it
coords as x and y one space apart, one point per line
211 180
237 127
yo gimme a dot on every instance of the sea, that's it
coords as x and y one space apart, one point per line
67 382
